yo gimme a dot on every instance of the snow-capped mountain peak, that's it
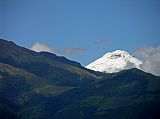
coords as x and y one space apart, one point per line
114 62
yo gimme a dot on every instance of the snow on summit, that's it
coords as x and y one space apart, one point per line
115 61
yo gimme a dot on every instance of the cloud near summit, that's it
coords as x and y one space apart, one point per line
151 59
39 47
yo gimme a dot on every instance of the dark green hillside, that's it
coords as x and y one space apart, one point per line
25 90
20 86
8 109
130 94
112 98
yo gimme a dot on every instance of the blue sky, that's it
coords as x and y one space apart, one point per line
83 30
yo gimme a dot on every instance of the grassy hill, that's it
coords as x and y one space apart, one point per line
130 94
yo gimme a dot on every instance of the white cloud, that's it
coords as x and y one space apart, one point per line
151 59
38 47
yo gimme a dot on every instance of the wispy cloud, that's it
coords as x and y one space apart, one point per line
39 47
101 42
74 51
151 57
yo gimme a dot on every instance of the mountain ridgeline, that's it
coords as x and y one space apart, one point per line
46 86
45 65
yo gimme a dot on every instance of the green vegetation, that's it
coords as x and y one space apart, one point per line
92 101
49 90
